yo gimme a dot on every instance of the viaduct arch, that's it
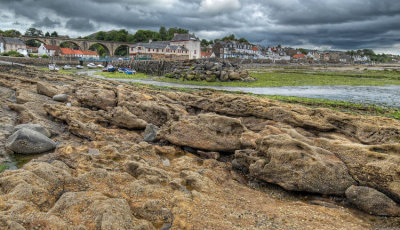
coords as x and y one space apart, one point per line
83 44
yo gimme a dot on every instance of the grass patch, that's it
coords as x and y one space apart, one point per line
122 75
296 77
3 167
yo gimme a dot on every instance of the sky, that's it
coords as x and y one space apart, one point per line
313 24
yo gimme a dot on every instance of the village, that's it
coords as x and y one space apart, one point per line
186 47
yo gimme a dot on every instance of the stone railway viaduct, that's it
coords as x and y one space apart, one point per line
83 44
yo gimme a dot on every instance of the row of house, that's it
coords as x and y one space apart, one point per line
182 46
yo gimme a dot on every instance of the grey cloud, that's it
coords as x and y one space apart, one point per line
341 24
46 22
80 25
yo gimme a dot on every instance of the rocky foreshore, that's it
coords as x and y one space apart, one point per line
118 156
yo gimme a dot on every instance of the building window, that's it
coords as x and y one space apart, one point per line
194 51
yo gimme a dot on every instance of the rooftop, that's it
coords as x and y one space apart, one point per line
184 37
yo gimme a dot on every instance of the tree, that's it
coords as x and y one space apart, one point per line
163 33
243 40
204 42
101 35
33 32
54 34
229 38
11 33
33 43
47 34
171 32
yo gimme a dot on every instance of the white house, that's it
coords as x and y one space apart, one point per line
161 48
188 41
48 50
12 44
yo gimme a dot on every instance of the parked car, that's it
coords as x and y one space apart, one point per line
91 66
67 67
53 67
79 67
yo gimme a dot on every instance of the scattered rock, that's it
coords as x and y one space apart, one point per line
27 141
35 127
150 133
61 97
372 201
209 155
98 98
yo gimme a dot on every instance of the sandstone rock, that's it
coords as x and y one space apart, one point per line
209 155
150 133
296 166
35 127
99 98
27 141
224 76
206 131
372 201
94 210
125 119
61 97
46 89
234 76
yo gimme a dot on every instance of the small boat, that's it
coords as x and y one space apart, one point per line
91 66
53 67
67 67
111 68
122 70
79 67
100 66
130 71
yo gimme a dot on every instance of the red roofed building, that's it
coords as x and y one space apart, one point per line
205 54
298 56
78 53
90 54
67 52
48 50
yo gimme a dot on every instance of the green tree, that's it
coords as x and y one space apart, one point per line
243 40
11 33
33 43
204 42
171 32
163 33
101 35
47 34
54 34
33 32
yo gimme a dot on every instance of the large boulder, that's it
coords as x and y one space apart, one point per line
125 119
46 89
206 131
98 98
234 76
27 141
372 201
35 127
295 166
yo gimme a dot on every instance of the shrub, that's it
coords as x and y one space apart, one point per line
169 75
45 56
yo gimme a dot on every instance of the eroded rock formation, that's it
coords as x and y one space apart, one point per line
212 164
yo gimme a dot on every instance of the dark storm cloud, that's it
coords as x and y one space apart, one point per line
46 22
340 24
80 24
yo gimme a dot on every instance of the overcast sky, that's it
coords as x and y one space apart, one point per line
320 24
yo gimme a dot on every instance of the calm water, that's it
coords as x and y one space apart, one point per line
387 96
